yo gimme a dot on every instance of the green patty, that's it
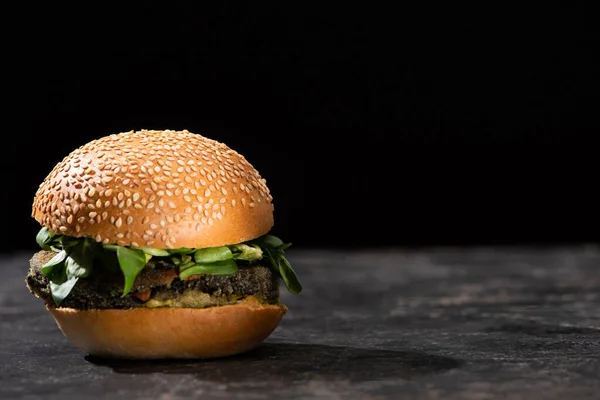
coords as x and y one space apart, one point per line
157 284
78 258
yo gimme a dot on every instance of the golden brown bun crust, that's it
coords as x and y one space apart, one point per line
160 189
169 332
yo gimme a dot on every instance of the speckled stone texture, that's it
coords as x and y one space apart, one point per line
483 323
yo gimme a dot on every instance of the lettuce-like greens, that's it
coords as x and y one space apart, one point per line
75 259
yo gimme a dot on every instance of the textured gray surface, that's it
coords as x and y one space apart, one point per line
442 323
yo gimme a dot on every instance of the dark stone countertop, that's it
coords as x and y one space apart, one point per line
503 323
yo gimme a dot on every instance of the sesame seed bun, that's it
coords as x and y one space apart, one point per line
169 332
159 189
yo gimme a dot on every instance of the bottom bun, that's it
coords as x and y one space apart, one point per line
158 333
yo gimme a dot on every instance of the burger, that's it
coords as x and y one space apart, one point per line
158 244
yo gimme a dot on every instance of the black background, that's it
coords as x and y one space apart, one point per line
373 126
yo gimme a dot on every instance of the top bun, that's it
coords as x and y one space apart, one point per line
159 189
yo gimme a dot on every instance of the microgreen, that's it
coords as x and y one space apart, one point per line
274 249
212 254
131 262
224 267
73 261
